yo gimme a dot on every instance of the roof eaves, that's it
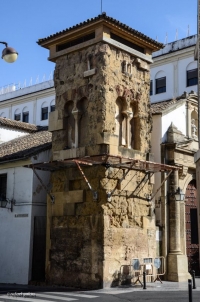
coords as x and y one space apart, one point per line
103 16
21 155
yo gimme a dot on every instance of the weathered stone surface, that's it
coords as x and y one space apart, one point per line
103 112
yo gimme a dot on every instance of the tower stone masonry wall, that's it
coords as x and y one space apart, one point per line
102 101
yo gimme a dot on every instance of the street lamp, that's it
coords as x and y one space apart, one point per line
179 195
9 54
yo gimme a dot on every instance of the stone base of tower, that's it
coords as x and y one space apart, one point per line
178 268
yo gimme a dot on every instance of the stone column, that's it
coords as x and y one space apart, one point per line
177 262
76 115
129 117
174 220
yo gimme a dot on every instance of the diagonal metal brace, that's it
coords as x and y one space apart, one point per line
52 197
161 185
95 195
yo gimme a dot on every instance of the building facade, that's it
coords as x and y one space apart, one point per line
30 104
175 143
174 80
23 203
174 70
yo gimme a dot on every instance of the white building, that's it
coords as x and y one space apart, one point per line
23 202
174 80
174 70
30 104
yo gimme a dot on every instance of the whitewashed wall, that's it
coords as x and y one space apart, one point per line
178 117
16 233
6 135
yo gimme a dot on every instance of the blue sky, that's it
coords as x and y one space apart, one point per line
23 22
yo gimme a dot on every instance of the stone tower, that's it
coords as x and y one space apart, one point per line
100 217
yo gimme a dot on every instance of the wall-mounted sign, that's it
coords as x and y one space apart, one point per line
21 215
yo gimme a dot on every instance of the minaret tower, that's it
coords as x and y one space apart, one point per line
101 217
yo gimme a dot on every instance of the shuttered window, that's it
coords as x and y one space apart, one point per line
192 77
17 117
44 113
161 85
25 117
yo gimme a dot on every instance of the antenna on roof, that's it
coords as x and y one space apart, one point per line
188 31
156 38
176 37
166 39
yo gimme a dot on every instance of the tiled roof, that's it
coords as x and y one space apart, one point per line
103 16
25 146
160 106
17 125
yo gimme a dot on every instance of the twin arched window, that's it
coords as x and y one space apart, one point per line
127 124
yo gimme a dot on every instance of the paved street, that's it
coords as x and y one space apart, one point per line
168 291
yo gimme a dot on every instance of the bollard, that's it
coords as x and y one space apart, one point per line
144 280
193 279
190 289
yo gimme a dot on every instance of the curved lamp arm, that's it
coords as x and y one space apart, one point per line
9 54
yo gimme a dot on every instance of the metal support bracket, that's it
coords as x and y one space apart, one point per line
52 197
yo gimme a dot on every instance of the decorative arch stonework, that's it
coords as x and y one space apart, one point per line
127 122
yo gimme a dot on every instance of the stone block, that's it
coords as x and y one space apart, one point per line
89 73
69 209
113 150
69 197
54 122
57 208
107 138
70 153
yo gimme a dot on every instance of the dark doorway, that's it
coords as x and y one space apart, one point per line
192 242
39 249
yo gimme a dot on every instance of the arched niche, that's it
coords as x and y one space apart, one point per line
69 125
82 107
121 121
